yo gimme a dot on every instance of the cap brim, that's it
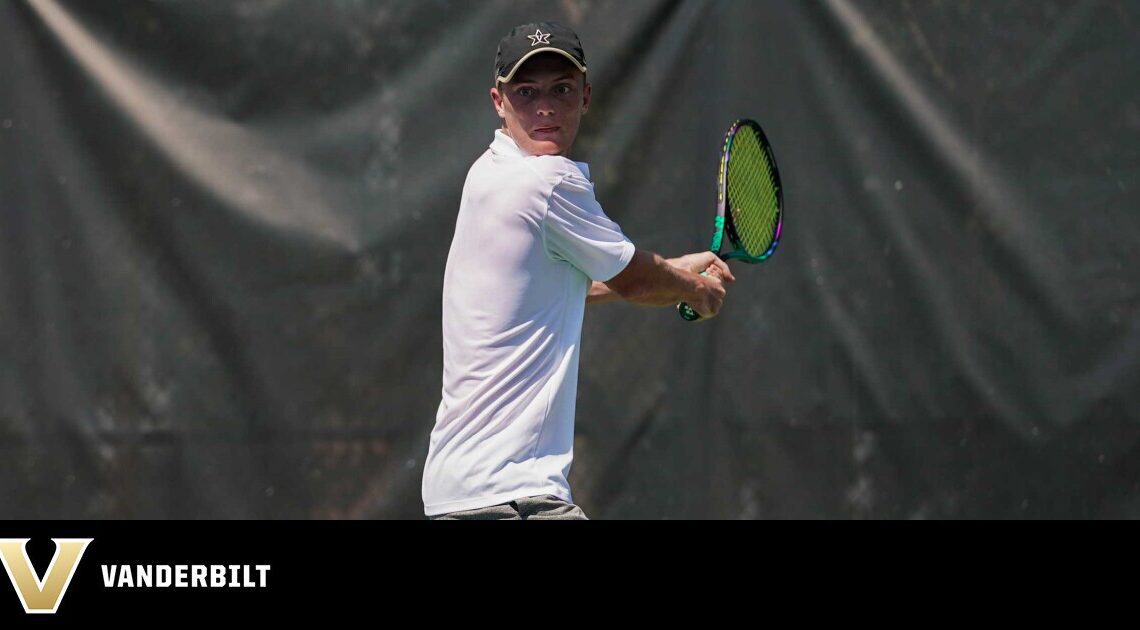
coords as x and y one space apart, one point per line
531 53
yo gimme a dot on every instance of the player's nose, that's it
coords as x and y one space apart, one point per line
544 106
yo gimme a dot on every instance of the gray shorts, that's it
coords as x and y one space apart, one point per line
546 507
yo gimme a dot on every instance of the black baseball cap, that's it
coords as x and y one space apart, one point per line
527 40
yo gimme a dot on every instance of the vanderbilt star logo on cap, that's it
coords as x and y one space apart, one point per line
539 38
548 37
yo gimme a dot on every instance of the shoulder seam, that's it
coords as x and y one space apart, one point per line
546 213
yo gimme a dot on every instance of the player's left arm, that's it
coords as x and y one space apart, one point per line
600 294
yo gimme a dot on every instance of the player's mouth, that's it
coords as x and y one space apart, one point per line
546 130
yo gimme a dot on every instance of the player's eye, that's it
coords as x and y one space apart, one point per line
563 89
525 92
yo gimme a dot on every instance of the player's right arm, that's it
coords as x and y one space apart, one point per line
652 280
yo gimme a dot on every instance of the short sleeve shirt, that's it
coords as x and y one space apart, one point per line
529 238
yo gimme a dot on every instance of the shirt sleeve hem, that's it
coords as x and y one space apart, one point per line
628 250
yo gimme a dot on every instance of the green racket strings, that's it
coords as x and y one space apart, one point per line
752 193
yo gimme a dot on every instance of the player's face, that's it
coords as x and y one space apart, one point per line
543 104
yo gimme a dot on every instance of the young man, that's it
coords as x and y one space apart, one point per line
531 247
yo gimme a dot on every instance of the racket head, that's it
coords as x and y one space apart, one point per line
750 197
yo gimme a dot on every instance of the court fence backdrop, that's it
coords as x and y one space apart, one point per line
223 227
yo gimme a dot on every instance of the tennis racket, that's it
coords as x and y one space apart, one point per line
749 200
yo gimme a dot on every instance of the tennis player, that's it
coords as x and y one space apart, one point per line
531 248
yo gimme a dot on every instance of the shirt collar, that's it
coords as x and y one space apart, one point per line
505 145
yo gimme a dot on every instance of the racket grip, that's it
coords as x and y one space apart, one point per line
686 312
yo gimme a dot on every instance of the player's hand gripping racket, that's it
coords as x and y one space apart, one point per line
748 187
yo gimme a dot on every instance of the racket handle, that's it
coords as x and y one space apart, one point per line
686 312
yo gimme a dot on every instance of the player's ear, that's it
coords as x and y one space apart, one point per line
497 100
586 98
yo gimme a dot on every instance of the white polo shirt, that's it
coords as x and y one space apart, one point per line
529 238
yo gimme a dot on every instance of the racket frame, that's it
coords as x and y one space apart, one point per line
723 222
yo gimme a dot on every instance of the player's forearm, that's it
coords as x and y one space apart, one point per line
650 280
600 293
